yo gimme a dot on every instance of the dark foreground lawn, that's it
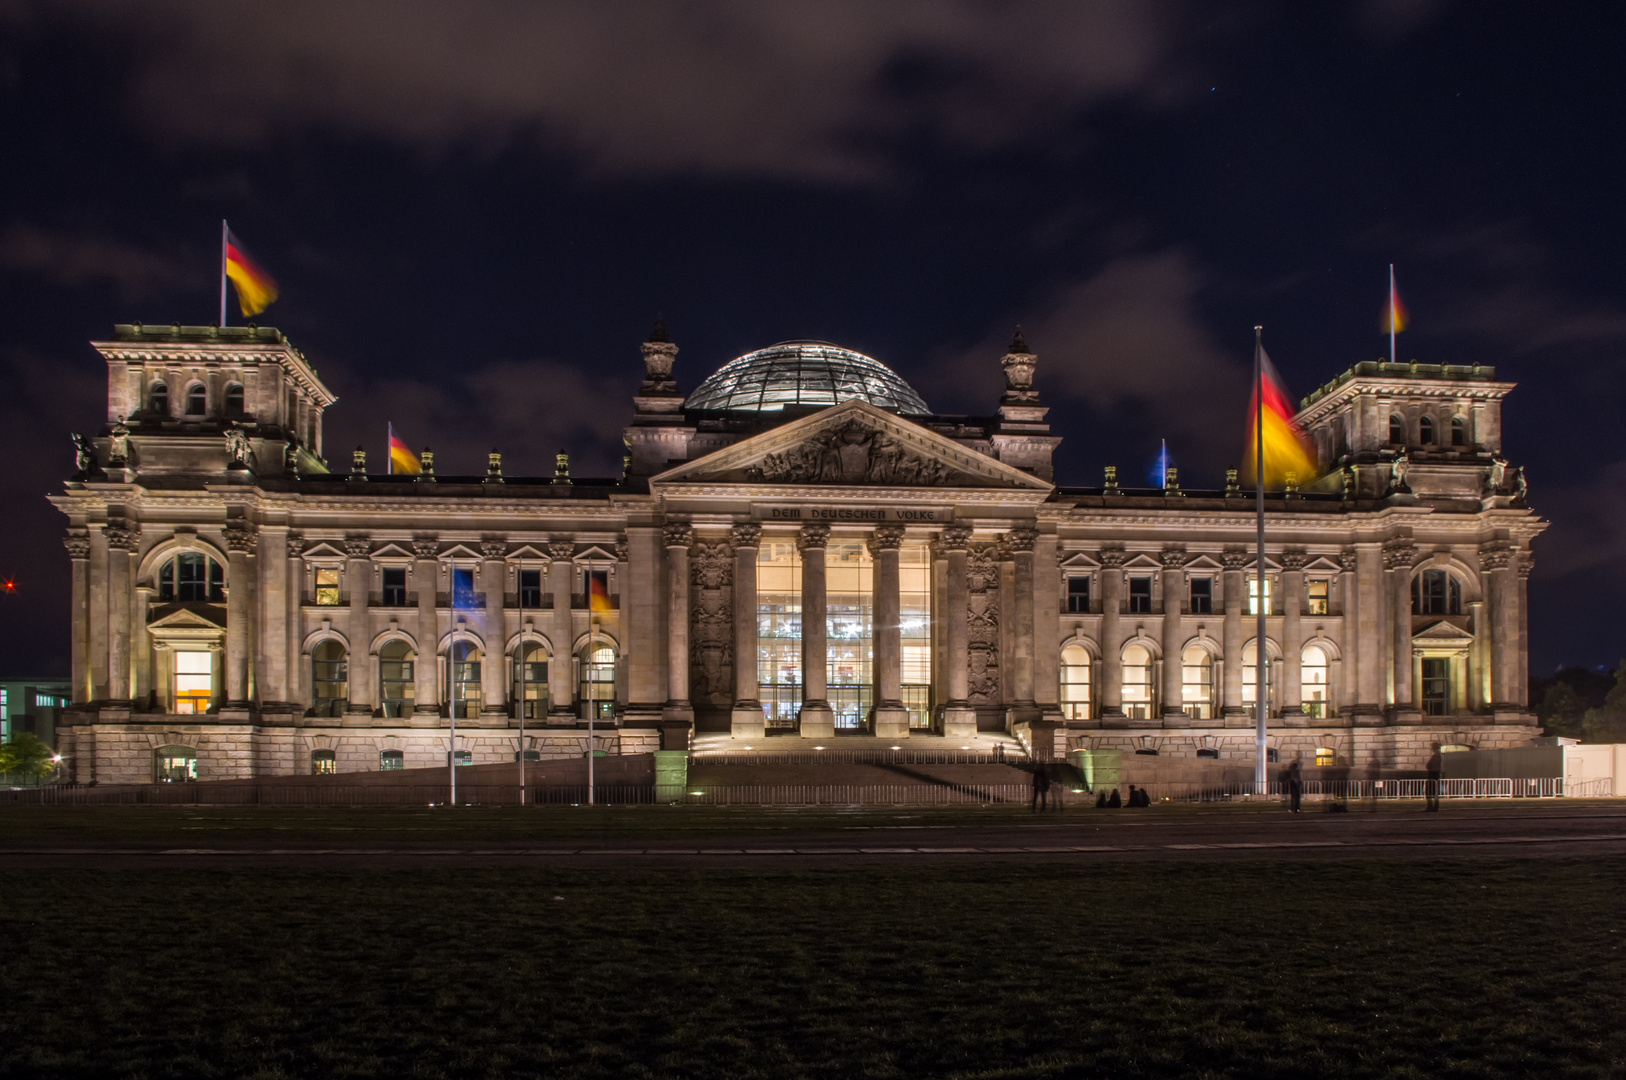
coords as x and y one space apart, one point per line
1481 969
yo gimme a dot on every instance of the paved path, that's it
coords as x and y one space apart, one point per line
1555 830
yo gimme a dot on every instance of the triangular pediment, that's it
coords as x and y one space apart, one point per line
323 550
853 444
1204 562
1322 565
187 618
392 551
1142 561
1443 633
1079 560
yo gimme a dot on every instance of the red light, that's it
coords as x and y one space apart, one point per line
7 586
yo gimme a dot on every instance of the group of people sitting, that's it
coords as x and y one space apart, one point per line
1137 797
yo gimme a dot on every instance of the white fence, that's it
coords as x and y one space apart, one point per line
1494 788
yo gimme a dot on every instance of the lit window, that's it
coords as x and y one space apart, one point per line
1202 596
192 578
463 597
395 685
465 686
391 760
531 679
1253 596
597 691
1140 595
1326 755
1137 682
1436 686
1313 688
324 763
175 764
1250 678
1075 683
915 632
1078 595
1197 683
1316 595
327 587
194 681
330 685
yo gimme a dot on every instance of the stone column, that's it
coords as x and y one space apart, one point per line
747 721
1497 563
78 545
678 535
1397 563
141 644
1372 632
426 669
1047 627
1112 670
119 543
1349 636
298 672
494 666
241 542
891 718
1174 561
561 694
1521 669
271 657
818 720
1292 630
644 611
1023 708
1235 588
959 718
1478 691
362 665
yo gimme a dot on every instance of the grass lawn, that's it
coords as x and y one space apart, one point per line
1445 969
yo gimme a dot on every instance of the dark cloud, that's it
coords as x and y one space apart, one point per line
78 260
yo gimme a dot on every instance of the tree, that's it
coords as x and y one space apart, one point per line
26 756
1561 710
1607 722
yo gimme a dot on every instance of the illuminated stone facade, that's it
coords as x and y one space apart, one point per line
241 610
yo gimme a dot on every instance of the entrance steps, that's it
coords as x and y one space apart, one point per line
858 761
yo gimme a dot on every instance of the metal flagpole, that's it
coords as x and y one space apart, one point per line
223 233
592 684
520 571
1392 309
1260 655
451 681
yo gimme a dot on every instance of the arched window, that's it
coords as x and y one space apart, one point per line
192 577
1075 682
531 679
1250 679
1397 429
1435 592
465 681
1137 683
158 399
395 678
1425 431
174 764
197 400
1197 683
597 690
234 399
324 763
1314 690
1459 431
330 678
391 760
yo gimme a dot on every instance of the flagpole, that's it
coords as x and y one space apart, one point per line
592 684
1260 654
520 589
451 665
223 233
1392 309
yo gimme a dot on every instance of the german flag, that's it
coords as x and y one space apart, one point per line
256 289
598 592
1286 450
402 460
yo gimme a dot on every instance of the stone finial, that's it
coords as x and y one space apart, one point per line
358 463
813 537
1232 487
1109 480
78 545
1171 481
561 467
886 538
659 357
1021 540
427 461
118 445
494 466
678 534
956 538
658 334
746 535
1018 364
1291 483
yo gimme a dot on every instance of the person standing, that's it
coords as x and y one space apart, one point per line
1041 788
1431 786
1295 786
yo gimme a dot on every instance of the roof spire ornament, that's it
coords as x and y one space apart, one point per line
659 356
1019 363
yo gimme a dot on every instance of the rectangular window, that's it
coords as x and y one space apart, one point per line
394 591
463 596
1253 595
194 681
1316 595
1436 685
1078 595
530 588
1435 592
1140 595
849 628
327 587
779 632
915 632
1202 596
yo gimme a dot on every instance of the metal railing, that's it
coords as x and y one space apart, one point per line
1012 755
1354 790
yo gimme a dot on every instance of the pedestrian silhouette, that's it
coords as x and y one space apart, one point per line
1115 802
1431 786
1295 786
1041 788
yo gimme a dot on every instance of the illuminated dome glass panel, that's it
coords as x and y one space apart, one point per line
804 373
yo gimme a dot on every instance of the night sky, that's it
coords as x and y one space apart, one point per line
475 211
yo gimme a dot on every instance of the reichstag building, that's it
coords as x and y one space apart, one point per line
799 548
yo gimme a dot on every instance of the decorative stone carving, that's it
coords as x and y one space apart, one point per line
1521 488
1018 363
561 550
85 465
621 551
659 357
1235 558
1527 563
853 453
1021 539
1399 556
1496 477
679 534
1496 558
243 539
1174 558
425 547
296 545
886 538
119 537
982 624
1112 558
78 545
711 623
1348 561
955 538
494 549
748 536
118 446
815 537
1397 474
1294 559
238 452
357 547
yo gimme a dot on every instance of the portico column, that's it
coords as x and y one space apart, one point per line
78 545
1397 562
141 645
818 721
493 670
678 536
426 672
959 719
271 659
1292 630
561 695
294 625
119 543
1498 564
1349 640
1112 670
747 720
1173 694
891 718
1231 636
241 543
1023 708
1521 655
359 578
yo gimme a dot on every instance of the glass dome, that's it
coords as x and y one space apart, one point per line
804 373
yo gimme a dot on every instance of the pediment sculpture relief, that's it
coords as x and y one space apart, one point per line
852 453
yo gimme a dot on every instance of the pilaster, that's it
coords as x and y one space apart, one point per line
677 536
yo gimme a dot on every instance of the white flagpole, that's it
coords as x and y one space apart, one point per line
1260 654
592 684
1392 310
519 582
224 232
